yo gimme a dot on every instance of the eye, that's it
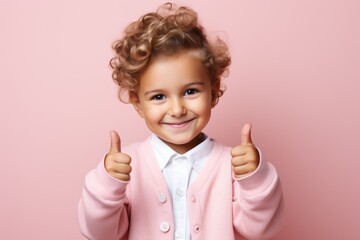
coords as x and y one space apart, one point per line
191 91
158 97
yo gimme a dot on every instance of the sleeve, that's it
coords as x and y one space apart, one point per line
103 207
258 205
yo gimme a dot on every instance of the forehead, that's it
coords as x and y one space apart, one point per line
183 67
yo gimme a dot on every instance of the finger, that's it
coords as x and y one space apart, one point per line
115 143
123 169
121 176
243 169
246 134
121 158
239 150
239 161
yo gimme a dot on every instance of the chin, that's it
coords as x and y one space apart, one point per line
177 141
184 140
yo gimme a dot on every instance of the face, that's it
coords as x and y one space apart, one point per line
174 98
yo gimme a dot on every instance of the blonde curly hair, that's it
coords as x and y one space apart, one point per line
167 31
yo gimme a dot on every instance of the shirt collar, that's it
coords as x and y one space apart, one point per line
166 153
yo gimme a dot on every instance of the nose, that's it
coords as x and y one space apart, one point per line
177 108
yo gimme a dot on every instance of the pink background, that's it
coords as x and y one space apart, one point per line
295 76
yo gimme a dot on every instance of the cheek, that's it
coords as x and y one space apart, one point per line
153 113
202 107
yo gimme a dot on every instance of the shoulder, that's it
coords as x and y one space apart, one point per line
137 146
221 148
139 150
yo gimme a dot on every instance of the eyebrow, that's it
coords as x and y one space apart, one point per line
159 90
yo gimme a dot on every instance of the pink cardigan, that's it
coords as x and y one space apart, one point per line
219 206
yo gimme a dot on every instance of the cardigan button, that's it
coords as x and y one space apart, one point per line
162 197
193 198
164 227
197 228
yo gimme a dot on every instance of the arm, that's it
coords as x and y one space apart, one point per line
258 209
103 208
258 206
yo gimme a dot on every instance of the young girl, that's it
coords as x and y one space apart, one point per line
178 183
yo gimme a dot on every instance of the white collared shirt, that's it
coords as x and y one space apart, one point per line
180 170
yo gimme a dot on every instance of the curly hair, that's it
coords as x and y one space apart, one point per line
167 31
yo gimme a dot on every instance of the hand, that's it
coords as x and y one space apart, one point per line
245 157
117 164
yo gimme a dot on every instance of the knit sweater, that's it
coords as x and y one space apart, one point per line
219 206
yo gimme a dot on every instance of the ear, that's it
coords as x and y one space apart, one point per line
215 95
214 101
137 105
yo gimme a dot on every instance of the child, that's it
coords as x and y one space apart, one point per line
179 183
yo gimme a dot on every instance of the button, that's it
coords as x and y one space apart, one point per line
179 192
164 227
197 228
193 198
162 197
196 167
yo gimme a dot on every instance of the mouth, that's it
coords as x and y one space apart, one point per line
179 124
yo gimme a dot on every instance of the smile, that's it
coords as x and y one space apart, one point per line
179 124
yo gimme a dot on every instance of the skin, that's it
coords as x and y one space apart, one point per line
175 100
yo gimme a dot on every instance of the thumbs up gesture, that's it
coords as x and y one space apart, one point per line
245 157
117 164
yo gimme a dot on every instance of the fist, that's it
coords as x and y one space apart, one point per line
245 157
117 164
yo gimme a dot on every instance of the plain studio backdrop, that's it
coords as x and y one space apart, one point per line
295 76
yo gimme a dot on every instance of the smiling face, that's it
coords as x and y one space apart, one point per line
174 98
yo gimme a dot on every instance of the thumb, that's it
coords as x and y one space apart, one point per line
115 143
246 134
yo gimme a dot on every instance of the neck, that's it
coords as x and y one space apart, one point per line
183 148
